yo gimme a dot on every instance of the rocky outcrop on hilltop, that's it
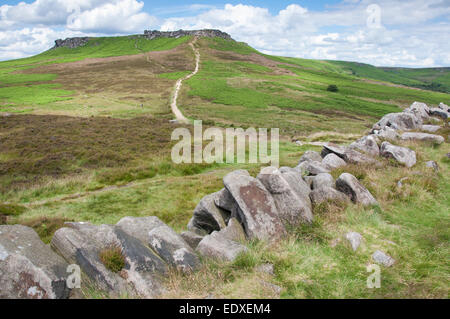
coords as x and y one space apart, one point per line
71 43
262 207
206 33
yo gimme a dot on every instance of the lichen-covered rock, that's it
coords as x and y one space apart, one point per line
138 227
387 133
207 216
82 244
332 161
224 200
234 231
383 259
310 156
172 248
350 156
439 113
28 268
192 238
327 194
349 184
366 144
217 246
256 207
420 110
312 168
291 207
444 107
399 121
323 180
430 128
402 155
422 137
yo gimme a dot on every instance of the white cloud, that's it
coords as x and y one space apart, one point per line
412 33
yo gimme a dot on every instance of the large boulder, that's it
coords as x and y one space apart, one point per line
224 200
29 269
420 110
366 144
217 246
312 168
399 121
256 207
234 231
350 156
172 248
291 207
323 180
439 113
207 216
332 161
310 156
327 194
402 155
422 137
349 184
82 244
387 133
444 107
430 128
138 227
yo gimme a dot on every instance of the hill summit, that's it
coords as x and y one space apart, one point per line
76 42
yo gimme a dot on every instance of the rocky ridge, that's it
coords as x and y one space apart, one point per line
246 208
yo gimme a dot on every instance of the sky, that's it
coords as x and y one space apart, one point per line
414 33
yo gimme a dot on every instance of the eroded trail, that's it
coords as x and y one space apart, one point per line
175 110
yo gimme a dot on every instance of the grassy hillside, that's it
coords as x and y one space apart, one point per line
87 138
435 79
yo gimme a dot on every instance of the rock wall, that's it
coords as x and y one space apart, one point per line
246 208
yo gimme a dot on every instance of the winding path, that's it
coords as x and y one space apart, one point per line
176 111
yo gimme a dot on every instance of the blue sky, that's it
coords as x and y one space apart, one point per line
411 33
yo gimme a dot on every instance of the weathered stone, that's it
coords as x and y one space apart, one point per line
332 161
387 133
399 121
430 128
350 156
83 251
439 113
349 184
423 137
208 216
297 183
433 165
291 207
420 110
325 194
444 107
234 231
138 227
224 200
82 244
274 288
266 269
312 168
323 180
256 207
366 144
383 259
191 238
354 239
71 43
310 156
309 180
28 268
402 155
217 246
172 248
